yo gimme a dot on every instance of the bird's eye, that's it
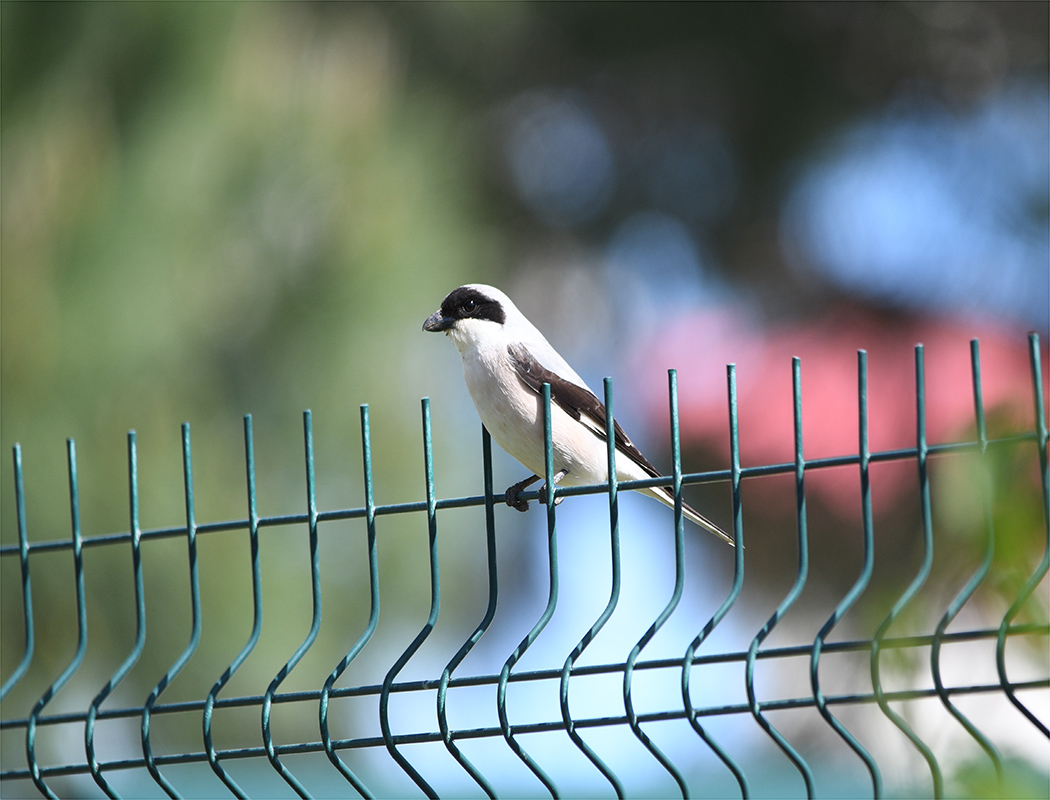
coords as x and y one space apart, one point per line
470 306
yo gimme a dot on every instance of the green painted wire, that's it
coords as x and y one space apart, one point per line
435 604
1044 565
792 595
195 610
672 604
27 595
479 631
315 621
549 726
449 736
614 596
140 620
253 638
987 495
393 509
548 611
917 582
858 587
373 615
734 590
78 656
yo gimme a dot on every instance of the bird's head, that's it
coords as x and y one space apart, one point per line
472 314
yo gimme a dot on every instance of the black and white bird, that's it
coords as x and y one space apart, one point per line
506 361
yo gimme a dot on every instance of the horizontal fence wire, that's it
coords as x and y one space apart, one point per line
1022 628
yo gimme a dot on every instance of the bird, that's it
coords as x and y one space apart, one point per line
506 361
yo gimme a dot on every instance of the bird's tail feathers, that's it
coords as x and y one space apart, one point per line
664 495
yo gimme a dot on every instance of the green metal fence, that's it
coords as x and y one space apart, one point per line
696 760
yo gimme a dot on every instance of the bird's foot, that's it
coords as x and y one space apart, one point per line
543 489
511 496
514 501
543 496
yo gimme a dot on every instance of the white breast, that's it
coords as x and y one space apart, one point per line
512 413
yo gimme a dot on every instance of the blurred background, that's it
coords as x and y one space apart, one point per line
210 210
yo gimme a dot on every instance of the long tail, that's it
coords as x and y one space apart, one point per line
664 495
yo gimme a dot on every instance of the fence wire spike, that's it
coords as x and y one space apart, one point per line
916 583
987 493
796 589
195 613
373 614
140 621
610 606
253 637
859 585
734 592
78 656
548 611
27 594
1044 565
435 604
315 620
672 604
479 631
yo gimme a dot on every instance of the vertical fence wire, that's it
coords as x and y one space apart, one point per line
859 585
315 620
27 593
479 631
672 604
435 604
731 597
917 582
610 606
195 613
78 655
1041 569
140 620
446 735
793 593
253 637
373 612
987 492
550 500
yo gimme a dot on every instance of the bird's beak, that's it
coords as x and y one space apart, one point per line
436 323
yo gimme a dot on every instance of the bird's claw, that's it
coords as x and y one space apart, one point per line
543 497
512 497
514 501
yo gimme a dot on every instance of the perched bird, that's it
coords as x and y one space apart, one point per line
506 361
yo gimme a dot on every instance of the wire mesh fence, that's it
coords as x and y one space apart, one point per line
947 700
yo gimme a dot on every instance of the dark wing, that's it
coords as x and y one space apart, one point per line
577 402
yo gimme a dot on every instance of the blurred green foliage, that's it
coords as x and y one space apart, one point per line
208 210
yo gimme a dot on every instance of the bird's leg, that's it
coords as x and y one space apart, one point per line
543 489
511 495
